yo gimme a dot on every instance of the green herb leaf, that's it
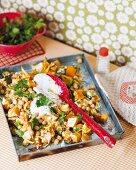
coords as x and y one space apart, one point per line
79 117
34 123
17 123
27 25
61 114
71 83
77 130
1 99
40 127
42 100
19 133
20 93
15 30
61 120
20 85
62 117
51 103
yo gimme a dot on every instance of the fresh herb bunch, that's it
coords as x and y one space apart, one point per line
20 30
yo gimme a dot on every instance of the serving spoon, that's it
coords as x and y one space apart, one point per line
64 95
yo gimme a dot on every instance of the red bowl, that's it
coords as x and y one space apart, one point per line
14 50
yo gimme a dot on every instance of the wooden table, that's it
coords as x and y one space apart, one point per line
100 157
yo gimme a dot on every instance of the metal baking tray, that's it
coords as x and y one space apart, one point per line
29 152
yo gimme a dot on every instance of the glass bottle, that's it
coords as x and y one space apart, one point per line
103 61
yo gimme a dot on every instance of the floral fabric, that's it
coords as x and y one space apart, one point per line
87 24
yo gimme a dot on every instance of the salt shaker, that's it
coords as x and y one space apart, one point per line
103 61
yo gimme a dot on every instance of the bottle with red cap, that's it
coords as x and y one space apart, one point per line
103 61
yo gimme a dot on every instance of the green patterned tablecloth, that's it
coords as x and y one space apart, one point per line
87 24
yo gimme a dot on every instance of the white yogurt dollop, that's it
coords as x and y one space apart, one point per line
46 86
42 110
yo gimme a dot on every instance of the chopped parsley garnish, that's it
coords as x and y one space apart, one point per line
34 123
62 117
51 103
79 117
17 123
20 85
0 99
42 100
20 88
20 93
70 83
19 133
77 130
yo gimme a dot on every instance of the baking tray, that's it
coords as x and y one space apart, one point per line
30 152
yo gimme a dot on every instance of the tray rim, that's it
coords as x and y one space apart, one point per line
31 155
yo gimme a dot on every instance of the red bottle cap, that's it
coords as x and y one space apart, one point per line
103 51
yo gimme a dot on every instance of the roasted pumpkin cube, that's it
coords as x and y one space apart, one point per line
31 83
45 64
85 137
6 103
104 117
54 68
78 94
13 112
86 129
71 71
76 137
67 135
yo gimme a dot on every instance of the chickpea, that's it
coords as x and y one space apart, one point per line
92 87
12 91
53 139
44 122
90 102
20 107
79 60
37 133
84 104
14 101
65 108
11 105
36 128
22 113
75 77
40 120
30 90
83 107
59 138
75 85
79 105
25 99
21 102
36 114
92 106
2 91
56 141
87 108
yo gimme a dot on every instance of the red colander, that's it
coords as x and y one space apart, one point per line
14 50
